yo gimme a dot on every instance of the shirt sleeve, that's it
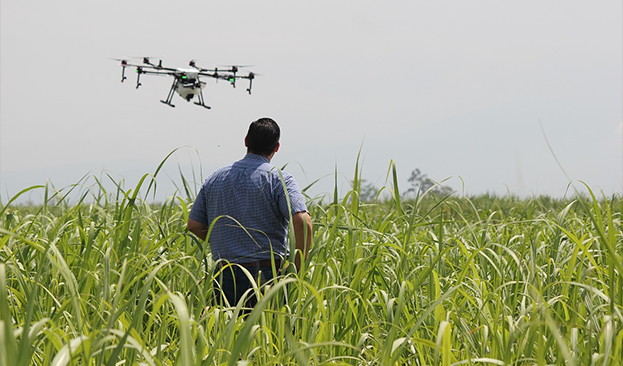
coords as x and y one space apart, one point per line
198 210
296 198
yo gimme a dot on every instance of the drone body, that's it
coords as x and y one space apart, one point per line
186 82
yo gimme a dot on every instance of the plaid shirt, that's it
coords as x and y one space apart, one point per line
247 201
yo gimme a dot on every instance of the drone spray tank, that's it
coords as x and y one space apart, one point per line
189 84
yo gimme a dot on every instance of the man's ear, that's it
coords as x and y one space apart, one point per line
246 143
277 147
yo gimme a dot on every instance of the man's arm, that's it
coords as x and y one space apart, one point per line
301 221
197 228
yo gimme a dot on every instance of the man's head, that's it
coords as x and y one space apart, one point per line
263 137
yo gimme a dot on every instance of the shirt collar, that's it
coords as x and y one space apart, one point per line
251 156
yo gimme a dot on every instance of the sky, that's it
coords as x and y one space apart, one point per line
513 97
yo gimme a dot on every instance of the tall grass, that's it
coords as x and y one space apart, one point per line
112 280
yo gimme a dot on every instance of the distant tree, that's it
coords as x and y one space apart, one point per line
420 183
367 191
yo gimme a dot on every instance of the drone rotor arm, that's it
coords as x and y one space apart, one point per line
141 70
162 68
158 72
214 75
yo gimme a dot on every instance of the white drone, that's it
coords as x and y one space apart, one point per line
186 81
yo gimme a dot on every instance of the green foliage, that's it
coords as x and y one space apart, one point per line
426 281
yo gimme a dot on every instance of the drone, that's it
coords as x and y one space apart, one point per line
185 81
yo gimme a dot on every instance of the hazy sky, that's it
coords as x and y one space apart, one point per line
461 89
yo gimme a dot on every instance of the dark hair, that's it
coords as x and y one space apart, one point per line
263 136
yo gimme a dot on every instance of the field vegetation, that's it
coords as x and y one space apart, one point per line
109 279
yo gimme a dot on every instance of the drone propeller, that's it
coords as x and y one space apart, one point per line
193 63
238 66
146 61
235 68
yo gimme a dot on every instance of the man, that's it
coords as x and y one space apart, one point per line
252 212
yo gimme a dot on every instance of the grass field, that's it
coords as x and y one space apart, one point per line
111 280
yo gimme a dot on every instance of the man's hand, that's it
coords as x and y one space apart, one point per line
301 221
197 228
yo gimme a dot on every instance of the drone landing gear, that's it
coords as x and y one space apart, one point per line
203 105
170 96
200 102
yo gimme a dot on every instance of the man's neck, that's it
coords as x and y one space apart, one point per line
269 157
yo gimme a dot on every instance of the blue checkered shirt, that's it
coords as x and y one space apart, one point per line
252 212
